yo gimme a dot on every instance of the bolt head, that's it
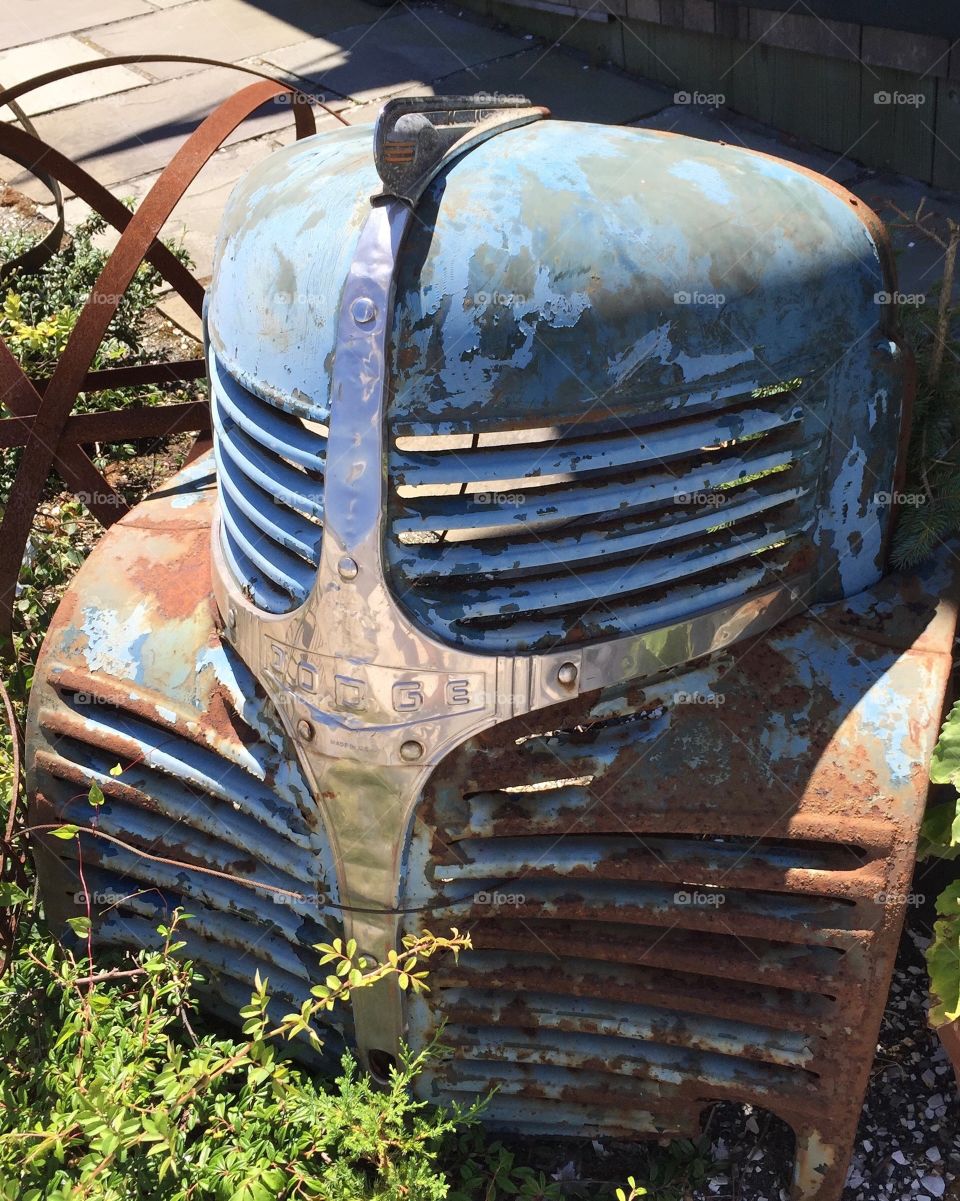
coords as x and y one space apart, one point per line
363 310
567 674
305 730
411 751
347 568
231 618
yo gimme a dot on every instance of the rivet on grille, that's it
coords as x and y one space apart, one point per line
347 568
411 751
305 730
364 310
567 674
231 618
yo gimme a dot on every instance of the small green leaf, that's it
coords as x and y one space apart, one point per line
116 770
79 925
95 795
945 763
67 831
11 894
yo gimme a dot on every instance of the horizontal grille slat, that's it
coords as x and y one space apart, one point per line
638 409
271 455
250 578
288 572
519 539
273 944
588 586
548 1011
655 1062
522 1103
613 617
785 917
281 525
504 558
270 472
569 452
276 430
170 837
746 959
819 870
147 747
180 808
587 499
649 984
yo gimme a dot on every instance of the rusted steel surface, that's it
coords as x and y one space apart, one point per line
700 903
41 416
210 793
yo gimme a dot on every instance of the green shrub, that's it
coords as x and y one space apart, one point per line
941 837
107 1096
42 308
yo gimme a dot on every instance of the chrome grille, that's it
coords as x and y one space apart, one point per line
271 455
512 539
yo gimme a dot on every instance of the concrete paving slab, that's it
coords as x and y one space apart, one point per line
372 61
230 29
196 219
131 134
566 83
23 21
22 62
176 309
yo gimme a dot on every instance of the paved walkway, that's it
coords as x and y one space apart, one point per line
124 123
